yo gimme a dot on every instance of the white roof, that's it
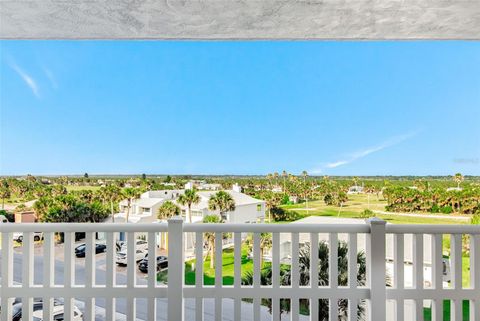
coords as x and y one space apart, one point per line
144 202
240 198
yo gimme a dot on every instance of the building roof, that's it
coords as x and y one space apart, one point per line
240 198
144 202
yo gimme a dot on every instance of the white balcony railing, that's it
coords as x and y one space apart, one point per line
176 293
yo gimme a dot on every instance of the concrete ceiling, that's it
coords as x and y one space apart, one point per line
240 19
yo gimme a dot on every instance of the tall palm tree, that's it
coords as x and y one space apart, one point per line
284 175
210 238
189 198
223 202
4 192
167 210
458 178
130 193
305 174
111 194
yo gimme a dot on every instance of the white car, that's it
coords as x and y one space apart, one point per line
122 257
57 314
140 245
18 236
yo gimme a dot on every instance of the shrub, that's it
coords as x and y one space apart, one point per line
475 220
435 209
367 213
281 215
446 209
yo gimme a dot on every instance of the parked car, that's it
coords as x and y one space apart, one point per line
81 249
18 236
58 311
122 257
162 263
141 245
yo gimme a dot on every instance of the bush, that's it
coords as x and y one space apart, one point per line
9 216
435 209
281 215
475 220
446 209
367 214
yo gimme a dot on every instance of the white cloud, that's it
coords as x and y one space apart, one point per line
29 81
51 77
365 152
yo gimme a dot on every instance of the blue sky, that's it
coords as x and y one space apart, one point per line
331 108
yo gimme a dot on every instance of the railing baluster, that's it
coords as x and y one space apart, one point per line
376 273
110 309
152 275
89 314
456 273
333 275
437 275
69 272
27 279
199 274
256 274
275 275
7 275
352 274
418 273
218 274
237 280
295 309
177 271
48 273
314 275
475 276
131 273
399 274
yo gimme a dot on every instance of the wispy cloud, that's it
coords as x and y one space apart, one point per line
51 77
350 158
29 81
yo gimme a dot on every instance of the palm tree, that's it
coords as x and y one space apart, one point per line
323 277
284 175
131 194
458 178
189 198
305 174
4 192
111 194
223 202
210 238
167 210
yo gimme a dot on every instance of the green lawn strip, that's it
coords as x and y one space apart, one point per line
427 312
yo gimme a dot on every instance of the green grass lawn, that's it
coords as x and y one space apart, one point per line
359 202
427 312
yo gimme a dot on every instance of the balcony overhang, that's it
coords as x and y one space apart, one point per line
240 19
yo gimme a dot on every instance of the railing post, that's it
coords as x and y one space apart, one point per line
376 268
175 269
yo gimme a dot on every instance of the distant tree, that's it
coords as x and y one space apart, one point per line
223 202
284 175
265 244
167 210
144 176
458 178
189 198
4 191
168 179
85 175
210 238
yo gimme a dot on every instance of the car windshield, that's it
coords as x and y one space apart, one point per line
81 247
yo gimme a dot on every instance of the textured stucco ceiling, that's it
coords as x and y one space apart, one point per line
240 19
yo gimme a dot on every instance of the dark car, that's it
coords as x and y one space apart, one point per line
162 263
81 249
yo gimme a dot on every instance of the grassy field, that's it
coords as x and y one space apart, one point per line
359 202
